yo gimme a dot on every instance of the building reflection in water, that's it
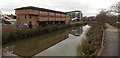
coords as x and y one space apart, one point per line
35 45
32 46
76 31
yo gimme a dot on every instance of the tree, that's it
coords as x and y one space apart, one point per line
105 16
116 8
101 17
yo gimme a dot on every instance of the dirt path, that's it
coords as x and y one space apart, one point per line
111 42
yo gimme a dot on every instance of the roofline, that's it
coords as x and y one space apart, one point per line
37 8
74 11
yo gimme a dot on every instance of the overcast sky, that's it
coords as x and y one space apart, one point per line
88 7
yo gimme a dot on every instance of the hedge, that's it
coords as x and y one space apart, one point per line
14 35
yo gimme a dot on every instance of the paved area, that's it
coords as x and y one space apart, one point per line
111 42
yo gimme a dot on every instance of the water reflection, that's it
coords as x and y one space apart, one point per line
35 45
65 48
76 31
7 51
63 44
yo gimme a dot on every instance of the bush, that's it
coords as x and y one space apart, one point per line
14 35
117 25
93 41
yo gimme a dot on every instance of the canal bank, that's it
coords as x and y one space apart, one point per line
20 34
37 46
92 44
68 46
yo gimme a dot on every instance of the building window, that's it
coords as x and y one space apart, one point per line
25 16
30 16
51 13
33 10
43 16
43 12
52 17
57 13
63 14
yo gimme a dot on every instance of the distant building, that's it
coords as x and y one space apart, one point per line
91 18
12 16
40 16
75 15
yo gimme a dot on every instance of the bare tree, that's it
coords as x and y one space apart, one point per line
105 17
116 7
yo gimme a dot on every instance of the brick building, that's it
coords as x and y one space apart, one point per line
40 16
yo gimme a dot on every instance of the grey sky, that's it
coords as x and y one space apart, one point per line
88 7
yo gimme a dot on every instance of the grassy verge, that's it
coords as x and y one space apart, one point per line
20 34
92 42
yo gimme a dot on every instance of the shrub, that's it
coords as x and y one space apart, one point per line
92 43
14 35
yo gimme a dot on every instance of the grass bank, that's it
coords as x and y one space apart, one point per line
20 34
92 43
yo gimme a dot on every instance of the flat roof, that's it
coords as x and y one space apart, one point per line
74 11
37 8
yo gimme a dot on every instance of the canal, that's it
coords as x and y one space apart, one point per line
59 43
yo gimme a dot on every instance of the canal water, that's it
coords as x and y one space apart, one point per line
60 43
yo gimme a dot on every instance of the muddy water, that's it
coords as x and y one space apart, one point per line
60 43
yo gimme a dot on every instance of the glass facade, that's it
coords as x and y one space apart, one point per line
44 12
52 13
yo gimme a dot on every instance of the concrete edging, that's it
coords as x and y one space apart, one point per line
99 52
102 45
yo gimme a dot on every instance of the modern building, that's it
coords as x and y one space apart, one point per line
12 16
40 16
75 15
